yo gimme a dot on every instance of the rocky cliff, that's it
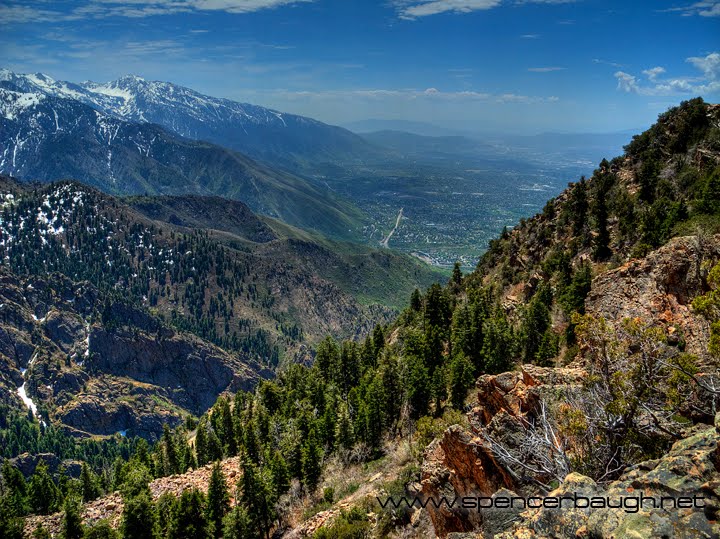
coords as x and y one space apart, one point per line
120 371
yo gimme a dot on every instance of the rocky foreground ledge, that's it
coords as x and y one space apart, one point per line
461 465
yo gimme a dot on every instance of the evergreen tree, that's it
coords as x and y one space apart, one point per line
497 348
461 379
226 432
327 357
536 321
280 474
709 200
89 484
579 208
172 462
14 489
416 301
139 517
101 530
166 506
603 183
189 521
11 525
373 412
456 278
437 307
417 386
72 527
218 500
343 428
311 462
378 339
43 494
256 497
238 525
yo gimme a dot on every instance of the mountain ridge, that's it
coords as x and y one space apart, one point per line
284 140
49 138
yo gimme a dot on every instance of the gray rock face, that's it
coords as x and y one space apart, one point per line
132 376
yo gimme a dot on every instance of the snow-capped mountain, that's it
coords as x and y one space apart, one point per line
46 137
281 139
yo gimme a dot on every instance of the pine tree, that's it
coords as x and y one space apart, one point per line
536 321
417 386
43 494
11 525
15 489
89 486
166 506
189 521
226 431
461 379
256 496
579 208
218 500
327 357
72 527
416 301
172 464
139 517
497 348
238 525
343 428
374 420
101 530
457 277
280 474
311 462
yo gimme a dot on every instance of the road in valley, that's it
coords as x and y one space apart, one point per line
386 241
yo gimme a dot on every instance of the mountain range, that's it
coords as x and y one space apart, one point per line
45 137
284 140
146 290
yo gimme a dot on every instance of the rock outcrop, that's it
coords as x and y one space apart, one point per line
461 464
660 288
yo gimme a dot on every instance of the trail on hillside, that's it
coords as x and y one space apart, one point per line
386 241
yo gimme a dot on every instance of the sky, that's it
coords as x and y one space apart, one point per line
511 66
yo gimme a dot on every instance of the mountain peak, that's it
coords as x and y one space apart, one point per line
127 80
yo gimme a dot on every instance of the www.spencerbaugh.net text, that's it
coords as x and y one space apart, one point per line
630 504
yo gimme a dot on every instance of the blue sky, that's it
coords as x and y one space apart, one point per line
484 65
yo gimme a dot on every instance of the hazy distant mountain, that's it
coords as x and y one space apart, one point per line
416 128
285 140
44 137
427 147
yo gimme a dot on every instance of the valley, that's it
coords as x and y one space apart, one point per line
450 211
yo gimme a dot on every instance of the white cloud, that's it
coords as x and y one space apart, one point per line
709 65
37 11
708 8
408 94
413 9
654 73
606 62
706 84
545 69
